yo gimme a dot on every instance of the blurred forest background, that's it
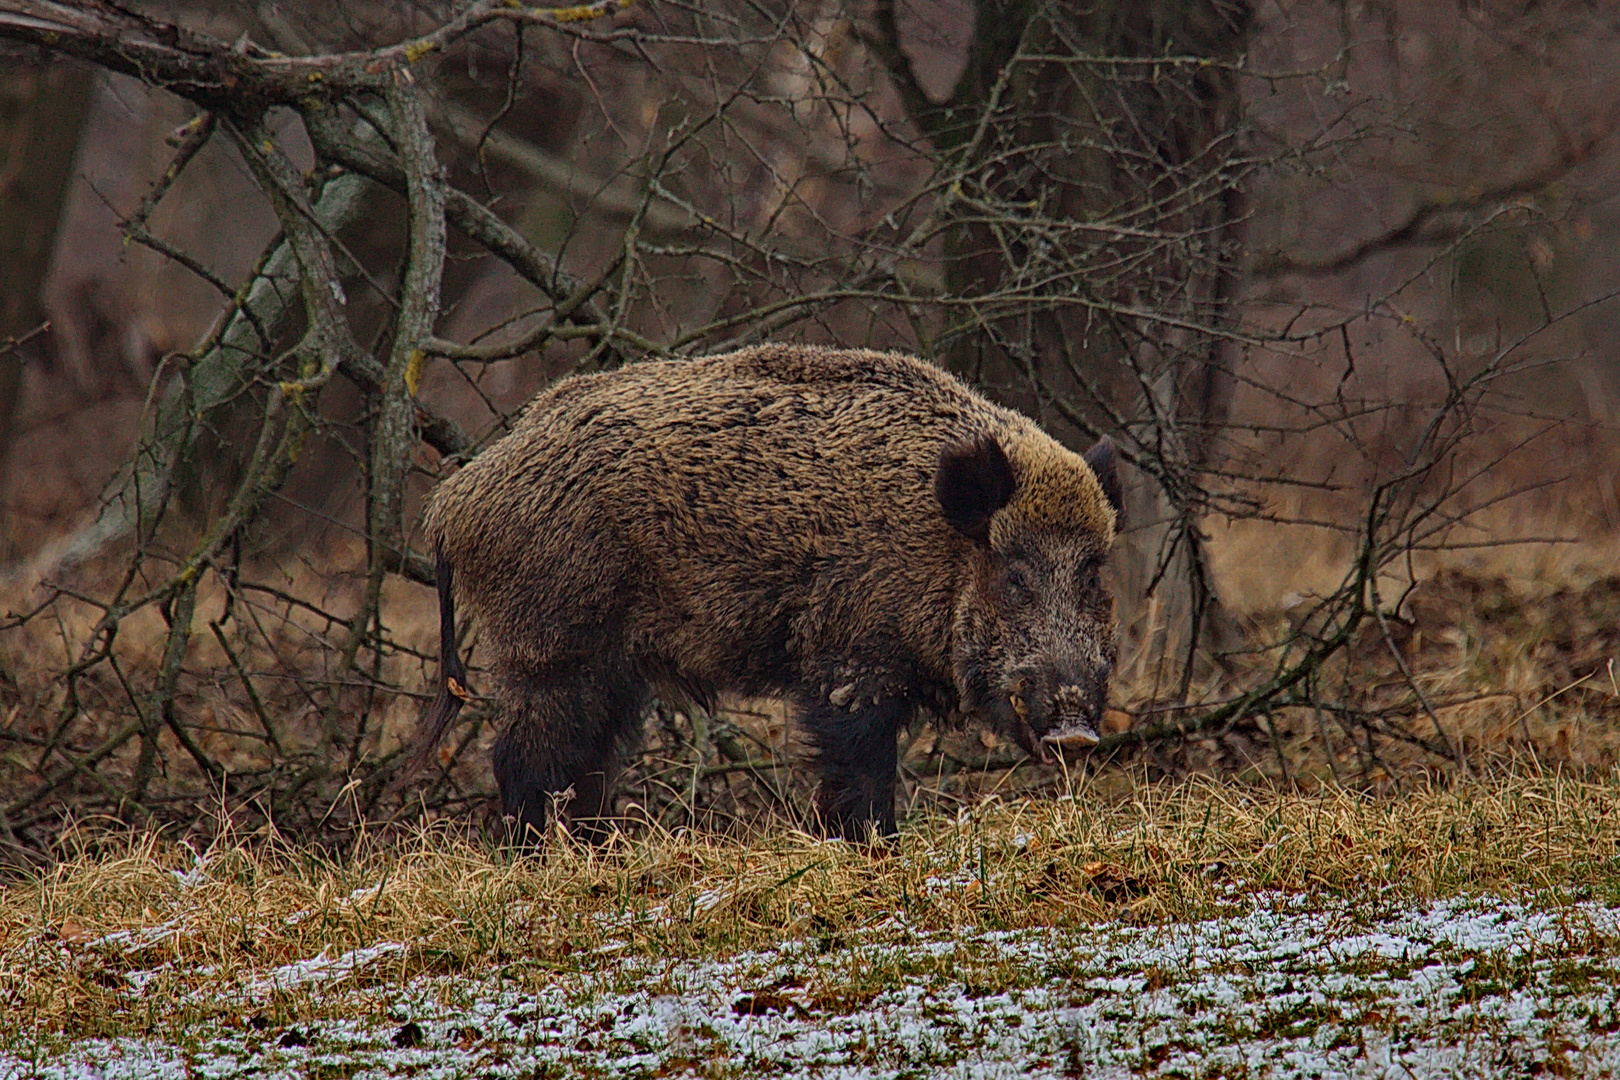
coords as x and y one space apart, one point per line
1339 276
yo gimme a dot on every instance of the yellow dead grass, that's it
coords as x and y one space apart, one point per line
208 926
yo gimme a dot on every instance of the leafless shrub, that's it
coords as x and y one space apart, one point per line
1089 214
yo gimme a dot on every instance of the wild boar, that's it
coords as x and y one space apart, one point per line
855 532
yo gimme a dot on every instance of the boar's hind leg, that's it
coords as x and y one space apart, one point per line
564 730
856 756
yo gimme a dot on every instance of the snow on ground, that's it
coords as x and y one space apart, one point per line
1285 987
321 968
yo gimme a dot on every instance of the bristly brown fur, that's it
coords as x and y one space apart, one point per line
766 522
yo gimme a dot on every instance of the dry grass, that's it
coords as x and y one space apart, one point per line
201 930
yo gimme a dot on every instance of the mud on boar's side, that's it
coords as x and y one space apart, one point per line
856 532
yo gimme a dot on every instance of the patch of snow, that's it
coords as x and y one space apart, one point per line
707 901
320 969
1478 987
133 941
190 879
365 894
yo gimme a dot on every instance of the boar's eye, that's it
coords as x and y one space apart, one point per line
1018 584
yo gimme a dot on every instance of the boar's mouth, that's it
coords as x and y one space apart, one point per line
1072 735
1067 733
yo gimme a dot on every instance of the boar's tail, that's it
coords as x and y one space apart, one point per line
453 692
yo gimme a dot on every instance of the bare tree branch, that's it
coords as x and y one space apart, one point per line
1439 220
214 74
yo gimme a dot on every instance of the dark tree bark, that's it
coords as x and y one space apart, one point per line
43 104
1095 238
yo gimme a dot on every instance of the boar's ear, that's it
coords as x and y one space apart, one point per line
973 481
1103 459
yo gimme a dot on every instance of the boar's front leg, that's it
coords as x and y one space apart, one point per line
564 731
856 755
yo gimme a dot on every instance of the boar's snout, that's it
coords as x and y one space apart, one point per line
1074 721
1059 713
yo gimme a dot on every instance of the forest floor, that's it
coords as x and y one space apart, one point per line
1191 929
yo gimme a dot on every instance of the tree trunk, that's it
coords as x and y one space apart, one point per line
43 105
1096 237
